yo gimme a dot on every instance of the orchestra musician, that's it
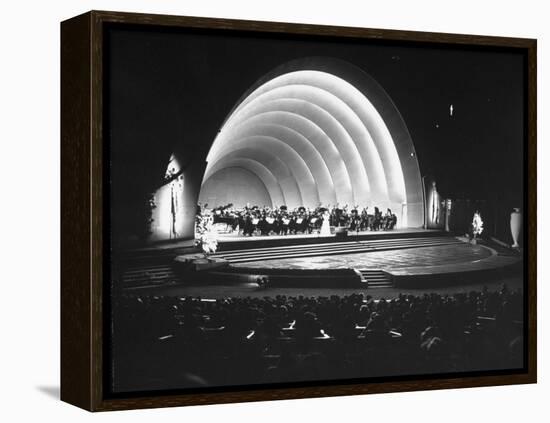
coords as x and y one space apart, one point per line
249 221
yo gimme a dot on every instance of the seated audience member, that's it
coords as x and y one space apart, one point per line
191 341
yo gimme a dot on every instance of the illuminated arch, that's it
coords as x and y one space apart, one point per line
325 132
270 182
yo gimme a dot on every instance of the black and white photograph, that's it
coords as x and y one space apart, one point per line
279 211
294 210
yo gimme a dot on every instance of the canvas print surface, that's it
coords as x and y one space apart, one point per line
294 210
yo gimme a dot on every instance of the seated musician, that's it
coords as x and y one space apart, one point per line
376 219
354 220
272 224
241 223
364 219
263 226
248 226
234 221
255 220
393 221
313 224
285 223
299 224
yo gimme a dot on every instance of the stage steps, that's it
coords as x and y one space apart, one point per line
375 278
333 248
148 275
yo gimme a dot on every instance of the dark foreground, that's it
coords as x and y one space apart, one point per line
172 338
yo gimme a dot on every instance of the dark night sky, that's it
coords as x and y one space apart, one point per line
172 91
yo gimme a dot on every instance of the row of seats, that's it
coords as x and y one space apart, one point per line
193 341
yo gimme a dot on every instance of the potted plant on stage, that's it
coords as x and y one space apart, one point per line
477 227
206 236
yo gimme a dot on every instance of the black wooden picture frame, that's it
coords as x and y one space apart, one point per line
85 230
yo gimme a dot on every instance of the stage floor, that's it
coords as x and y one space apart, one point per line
447 255
231 240
235 237
399 258
444 261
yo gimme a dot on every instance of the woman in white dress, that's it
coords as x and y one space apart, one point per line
325 226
